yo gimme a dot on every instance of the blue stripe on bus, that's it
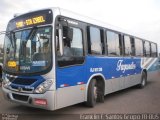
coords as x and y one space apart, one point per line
107 66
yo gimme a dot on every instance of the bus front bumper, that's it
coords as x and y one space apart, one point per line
43 101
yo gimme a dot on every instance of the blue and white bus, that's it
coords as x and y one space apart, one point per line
55 58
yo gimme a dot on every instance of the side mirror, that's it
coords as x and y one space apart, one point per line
7 50
68 32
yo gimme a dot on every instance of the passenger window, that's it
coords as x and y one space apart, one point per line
154 50
139 47
95 46
127 45
76 43
147 49
113 43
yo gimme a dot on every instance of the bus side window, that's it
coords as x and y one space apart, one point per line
113 44
133 46
153 50
139 47
95 43
147 49
129 46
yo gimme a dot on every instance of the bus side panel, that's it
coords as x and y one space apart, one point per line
119 73
67 79
107 67
70 85
70 95
153 69
133 76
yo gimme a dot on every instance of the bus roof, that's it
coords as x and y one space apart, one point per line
89 20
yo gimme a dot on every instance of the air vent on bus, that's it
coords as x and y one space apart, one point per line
22 81
20 97
26 90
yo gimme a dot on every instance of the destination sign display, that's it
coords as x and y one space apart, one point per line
31 19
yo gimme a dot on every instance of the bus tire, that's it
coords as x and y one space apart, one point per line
100 92
92 94
143 80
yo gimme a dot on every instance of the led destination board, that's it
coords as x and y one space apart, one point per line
31 19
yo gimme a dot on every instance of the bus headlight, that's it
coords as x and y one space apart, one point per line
6 83
43 87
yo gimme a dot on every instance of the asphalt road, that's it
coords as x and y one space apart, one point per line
128 101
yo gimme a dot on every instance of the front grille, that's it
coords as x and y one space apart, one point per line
24 81
20 97
26 90
14 87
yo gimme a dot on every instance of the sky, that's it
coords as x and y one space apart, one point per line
141 17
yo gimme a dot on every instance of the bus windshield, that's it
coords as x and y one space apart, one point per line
28 50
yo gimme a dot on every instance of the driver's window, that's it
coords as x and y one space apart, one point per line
72 47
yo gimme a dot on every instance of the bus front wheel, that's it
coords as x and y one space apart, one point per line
92 93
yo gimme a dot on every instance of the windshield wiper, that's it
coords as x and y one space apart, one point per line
32 33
